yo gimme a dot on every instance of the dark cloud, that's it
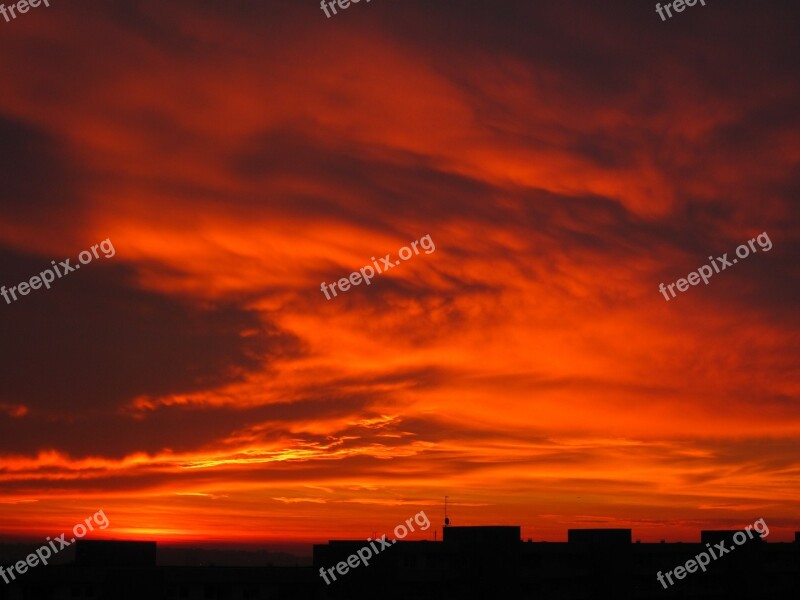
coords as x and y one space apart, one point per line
39 178
175 428
94 341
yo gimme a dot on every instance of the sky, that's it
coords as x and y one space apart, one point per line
563 159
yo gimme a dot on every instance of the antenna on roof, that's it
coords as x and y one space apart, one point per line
446 518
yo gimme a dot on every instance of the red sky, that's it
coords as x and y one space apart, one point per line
565 158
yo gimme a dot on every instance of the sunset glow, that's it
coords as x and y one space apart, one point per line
198 386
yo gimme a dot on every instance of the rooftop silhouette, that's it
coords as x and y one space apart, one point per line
483 562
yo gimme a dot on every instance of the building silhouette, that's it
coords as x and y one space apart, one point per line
485 563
